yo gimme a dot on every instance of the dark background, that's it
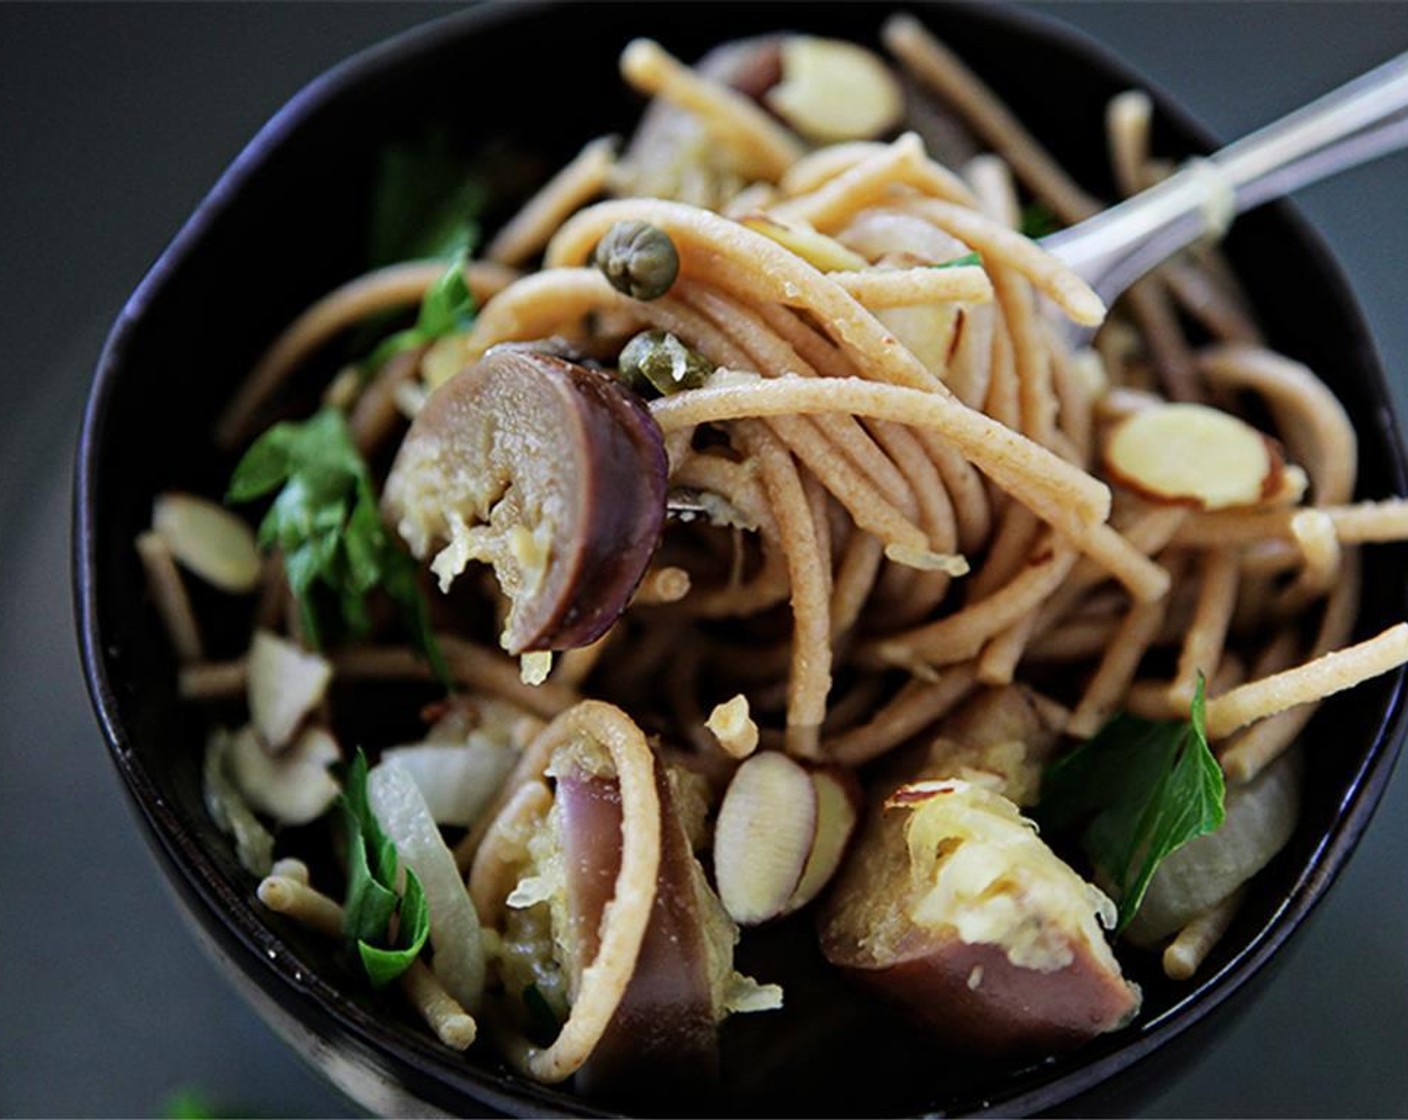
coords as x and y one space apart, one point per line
114 121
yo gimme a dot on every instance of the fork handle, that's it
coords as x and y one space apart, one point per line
1365 118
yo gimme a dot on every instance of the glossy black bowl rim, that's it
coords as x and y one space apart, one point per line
278 970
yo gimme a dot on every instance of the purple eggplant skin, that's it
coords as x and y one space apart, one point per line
566 442
663 1038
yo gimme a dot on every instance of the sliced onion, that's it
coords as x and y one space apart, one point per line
1261 816
457 780
254 845
454 925
295 787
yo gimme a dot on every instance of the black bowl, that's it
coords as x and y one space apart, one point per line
274 234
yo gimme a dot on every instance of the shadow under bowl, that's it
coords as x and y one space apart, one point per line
273 235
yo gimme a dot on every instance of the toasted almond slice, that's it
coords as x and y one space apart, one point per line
825 253
294 788
285 684
208 540
1194 455
764 837
833 91
837 811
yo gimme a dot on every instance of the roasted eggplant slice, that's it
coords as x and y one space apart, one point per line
637 1024
665 1029
550 471
952 905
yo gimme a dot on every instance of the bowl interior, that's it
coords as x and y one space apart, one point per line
286 225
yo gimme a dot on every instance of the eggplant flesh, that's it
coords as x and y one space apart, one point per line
552 472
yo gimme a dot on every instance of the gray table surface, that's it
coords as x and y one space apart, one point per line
114 120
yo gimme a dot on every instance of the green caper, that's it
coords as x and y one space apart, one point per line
658 360
638 259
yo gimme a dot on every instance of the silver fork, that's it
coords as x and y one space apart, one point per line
1366 118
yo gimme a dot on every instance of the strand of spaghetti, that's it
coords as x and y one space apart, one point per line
572 667
819 505
907 287
296 899
854 706
1217 309
766 148
960 636
916 706
936 514
1314 532
935 66
570 189
810 677
1004 400
471 665
971 507
1007 552
1057 492
997 665
970 365
1036 396
854 579
766 588
1024 362
1363 523
1316 427
553 302
168 592
1148 532
772 355
1324 676
1192 944
816 167
397 285
1127 118
870 501
1073 397
734 258
1231 671
681 694
1163 336
965 488
996 242
1202 645
1102 695
375 415
992 184
901 163
1248 753
1078 639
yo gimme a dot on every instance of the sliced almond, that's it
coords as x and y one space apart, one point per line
926 331
764 837
833 91
285 684
294 788
208 540
814 247
1194 455
837 811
